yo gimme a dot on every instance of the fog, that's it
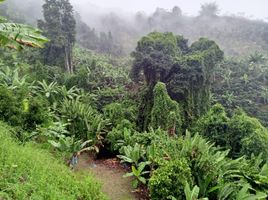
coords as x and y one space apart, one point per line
125 21
256 9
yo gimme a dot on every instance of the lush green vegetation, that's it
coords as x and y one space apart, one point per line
242 82
28 172
181 116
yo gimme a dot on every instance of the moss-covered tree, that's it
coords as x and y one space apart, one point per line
154 56
190 82
165 112
186 70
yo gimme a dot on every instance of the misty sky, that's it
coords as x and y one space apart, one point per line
254 8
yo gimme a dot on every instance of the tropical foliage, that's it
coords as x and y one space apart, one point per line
174 115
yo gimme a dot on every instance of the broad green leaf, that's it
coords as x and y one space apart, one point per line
135 171
128 175
17 36
142 179
135 183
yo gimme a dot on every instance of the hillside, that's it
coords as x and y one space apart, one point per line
28 172
163 106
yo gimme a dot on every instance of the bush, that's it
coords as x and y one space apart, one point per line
245 133
19 109
37 112
213 125
255 144
27 172
117 112
170 179
10 107
242 134
40 72
119 134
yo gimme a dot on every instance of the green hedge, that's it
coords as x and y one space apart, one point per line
27 172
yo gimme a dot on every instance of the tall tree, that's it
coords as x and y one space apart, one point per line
209 10
186 70
154 56
59 26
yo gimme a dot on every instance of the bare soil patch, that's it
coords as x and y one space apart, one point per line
110 173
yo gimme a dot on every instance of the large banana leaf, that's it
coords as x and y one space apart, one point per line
16 36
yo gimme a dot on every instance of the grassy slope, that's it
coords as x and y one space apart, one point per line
27 172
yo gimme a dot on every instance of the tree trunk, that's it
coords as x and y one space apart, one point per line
71 59
68 59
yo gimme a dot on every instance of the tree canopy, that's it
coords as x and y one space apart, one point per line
186 70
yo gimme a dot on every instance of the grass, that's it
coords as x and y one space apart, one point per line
27 172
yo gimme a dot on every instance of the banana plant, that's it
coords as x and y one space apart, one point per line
138 174
48 89
151 155
96 131
245 195
125 141
132 155
59 137
12 80
72 93
192 194
16 36
69 144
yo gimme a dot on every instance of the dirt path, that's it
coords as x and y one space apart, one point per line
110 174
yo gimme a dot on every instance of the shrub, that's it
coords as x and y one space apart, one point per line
36 113
170 179
255 144
119 135
245 133
149 137
213 125
242 134
10 107
116 112
17 108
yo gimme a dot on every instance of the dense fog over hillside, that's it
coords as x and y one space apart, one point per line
247 8
255 9
231 24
